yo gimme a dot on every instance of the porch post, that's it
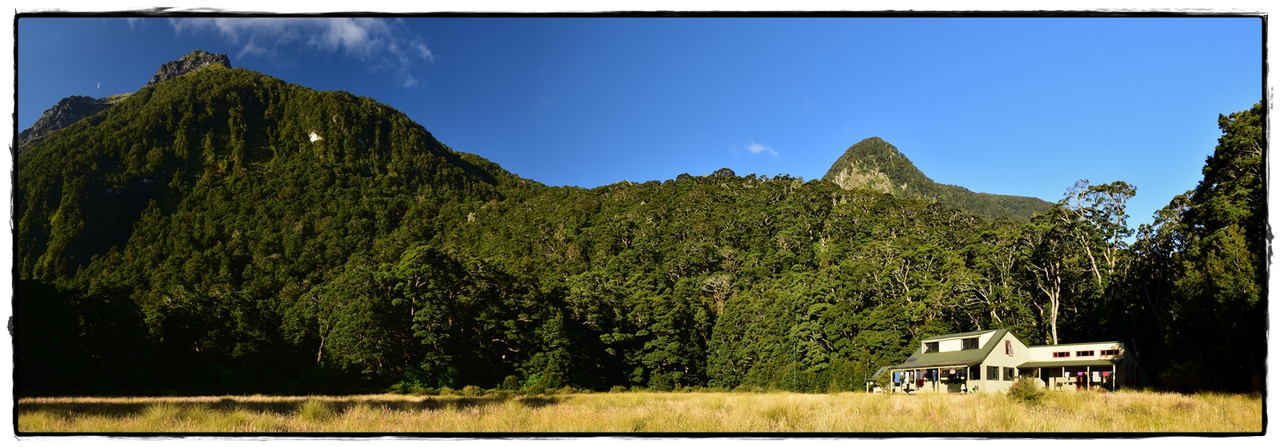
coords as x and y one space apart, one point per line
1113 377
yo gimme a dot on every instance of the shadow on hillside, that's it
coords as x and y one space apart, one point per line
279 406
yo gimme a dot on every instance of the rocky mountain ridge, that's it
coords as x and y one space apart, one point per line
192 61
62 114
74 108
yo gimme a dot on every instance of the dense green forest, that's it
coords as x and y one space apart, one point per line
226 231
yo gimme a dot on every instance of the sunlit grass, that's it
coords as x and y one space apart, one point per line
649 412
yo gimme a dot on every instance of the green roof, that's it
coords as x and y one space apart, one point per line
960 335
966 357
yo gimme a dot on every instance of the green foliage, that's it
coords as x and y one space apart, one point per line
472 391
510 383
194 237
1203 268
1026 390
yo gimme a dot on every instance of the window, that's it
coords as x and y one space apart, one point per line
1084 353
1008 347
970 343
1110 352
993 373
931 346
975 372
1008 374
1061 354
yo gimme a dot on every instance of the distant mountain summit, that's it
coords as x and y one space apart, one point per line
192 61
877 165
74 108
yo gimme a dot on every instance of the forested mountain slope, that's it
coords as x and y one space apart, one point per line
225 231
875 164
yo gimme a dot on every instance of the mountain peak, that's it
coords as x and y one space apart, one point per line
192 61
74 108
875 164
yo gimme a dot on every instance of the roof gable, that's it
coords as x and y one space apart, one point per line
961 335
968 357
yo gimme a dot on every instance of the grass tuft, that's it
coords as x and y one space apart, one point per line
316 411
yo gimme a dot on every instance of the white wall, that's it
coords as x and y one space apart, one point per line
999 357
1045 353
956 344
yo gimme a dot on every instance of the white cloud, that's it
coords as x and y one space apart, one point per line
251 49
380 44
757 148
423 51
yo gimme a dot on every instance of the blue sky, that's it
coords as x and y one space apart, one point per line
1004 105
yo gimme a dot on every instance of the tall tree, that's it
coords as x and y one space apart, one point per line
1218 302
1098 222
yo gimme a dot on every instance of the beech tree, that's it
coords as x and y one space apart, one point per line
1098 223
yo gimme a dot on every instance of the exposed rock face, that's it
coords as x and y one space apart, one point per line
876 165
856 176
74 108
193 61
67 111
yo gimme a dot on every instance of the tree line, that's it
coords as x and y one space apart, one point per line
194 239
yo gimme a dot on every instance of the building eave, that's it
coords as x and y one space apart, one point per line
1067 345
1072 363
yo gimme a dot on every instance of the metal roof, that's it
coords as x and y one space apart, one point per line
960 335
970 357
966 357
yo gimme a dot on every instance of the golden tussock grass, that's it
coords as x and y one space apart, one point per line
649 412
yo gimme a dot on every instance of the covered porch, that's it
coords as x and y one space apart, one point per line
952 378
1074 375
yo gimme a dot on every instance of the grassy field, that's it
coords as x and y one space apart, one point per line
649 412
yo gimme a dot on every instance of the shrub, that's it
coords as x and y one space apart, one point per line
511 383
618 389
472 391
1026 390
661 382
542 383
400 388
534 388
